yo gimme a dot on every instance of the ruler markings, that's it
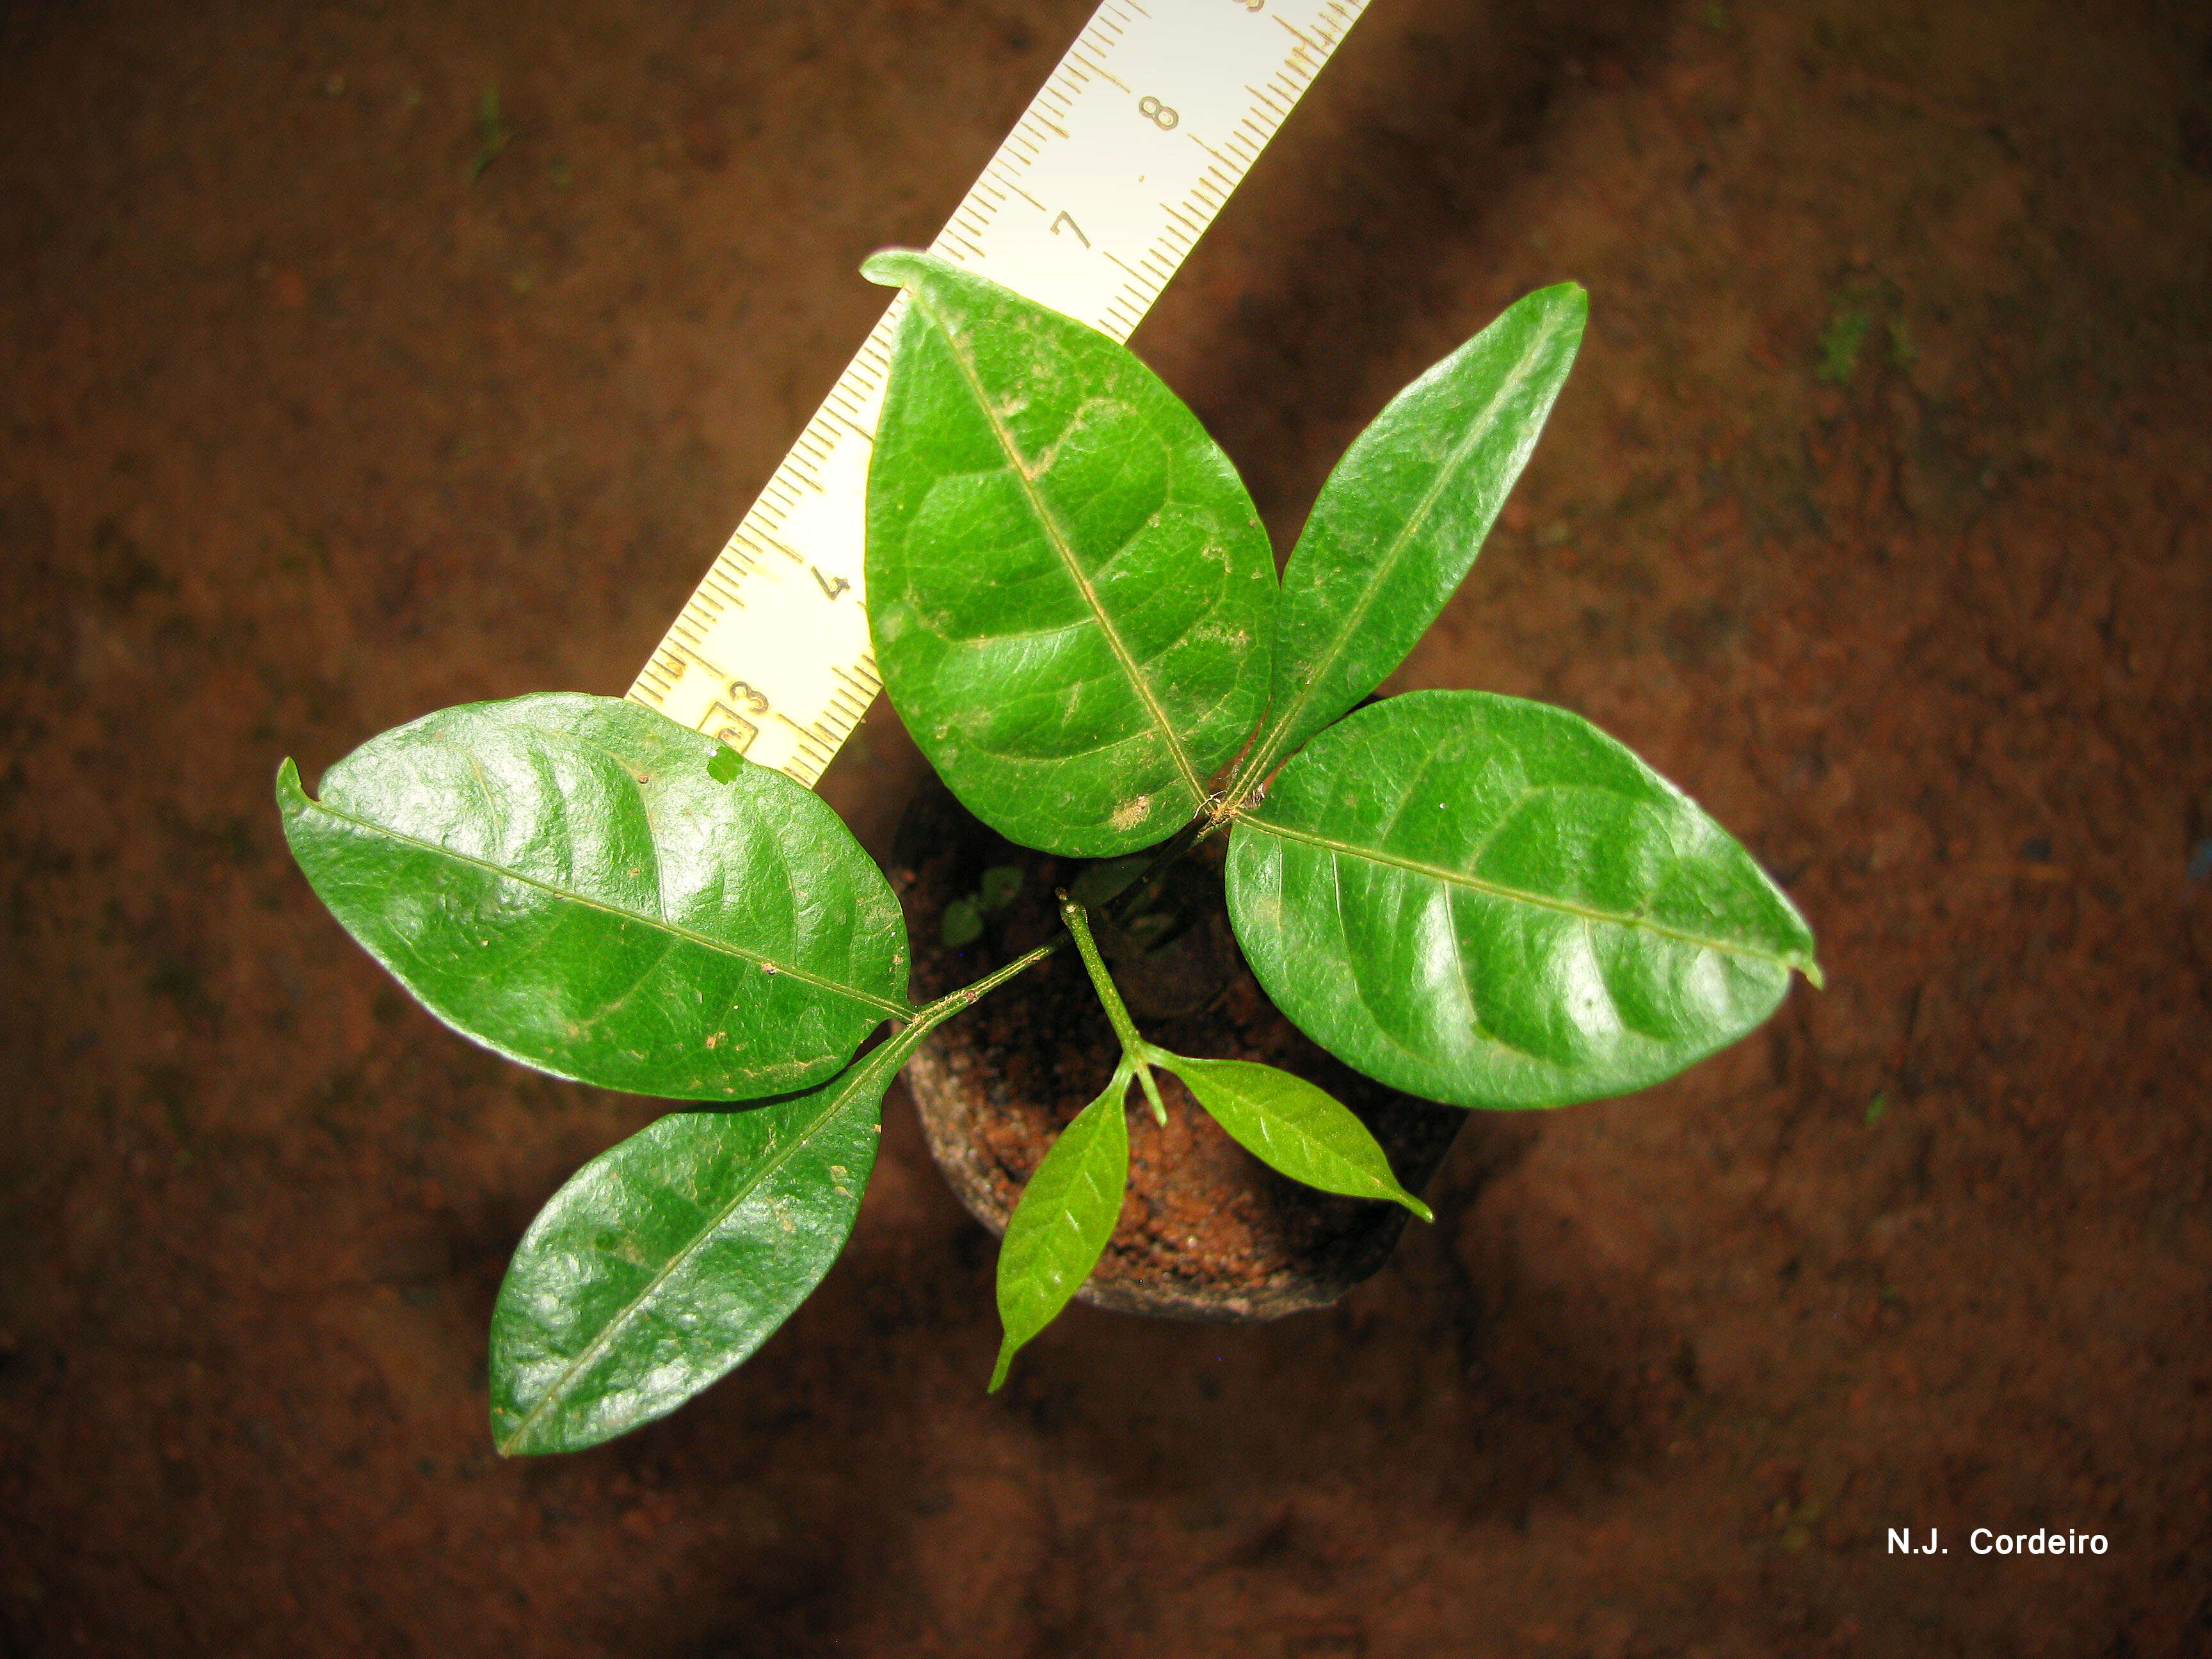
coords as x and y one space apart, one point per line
800 642
711 666
1105 74
791 553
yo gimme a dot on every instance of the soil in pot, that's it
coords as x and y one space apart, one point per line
1207 1231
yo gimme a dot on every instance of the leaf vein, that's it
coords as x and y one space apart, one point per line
1515 895
803 975
1057 536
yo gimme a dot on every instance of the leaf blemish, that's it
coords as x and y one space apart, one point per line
1130 813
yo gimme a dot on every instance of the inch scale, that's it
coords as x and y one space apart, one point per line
1110 177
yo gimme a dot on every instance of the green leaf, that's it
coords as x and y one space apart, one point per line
1291 1126
568 881
962 924
1001 884
1401 518
1070 591
669 1259
1066 1216
1490 903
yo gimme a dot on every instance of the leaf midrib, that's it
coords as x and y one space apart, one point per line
1058 539
864 1075
805 977
1516 895
1269 750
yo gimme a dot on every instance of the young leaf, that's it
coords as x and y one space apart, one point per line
962 924
1405 511
1069 589
1291 1126
568 881
669 1259
1001 885
1066 1216
1490 903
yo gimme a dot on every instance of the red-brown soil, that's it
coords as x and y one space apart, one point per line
1206 1230
312 424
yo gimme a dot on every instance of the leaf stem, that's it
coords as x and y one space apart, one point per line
934 1014
1170 852
1136 1052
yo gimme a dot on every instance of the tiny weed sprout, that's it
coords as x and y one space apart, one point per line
1477 900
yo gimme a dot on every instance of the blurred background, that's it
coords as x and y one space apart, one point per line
362 358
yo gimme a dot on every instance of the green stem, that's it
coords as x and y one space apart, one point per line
1134 1049
952 1002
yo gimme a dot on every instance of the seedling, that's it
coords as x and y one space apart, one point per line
1472 898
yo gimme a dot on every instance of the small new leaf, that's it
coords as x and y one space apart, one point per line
1292 1127
1001 885
963 925
1066 1216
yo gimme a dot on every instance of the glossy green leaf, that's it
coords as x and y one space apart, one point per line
1405 511
1064 1219
1070 591
1490 902
566 880
669 1259
1291 1126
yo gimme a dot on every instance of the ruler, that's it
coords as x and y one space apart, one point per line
1107 181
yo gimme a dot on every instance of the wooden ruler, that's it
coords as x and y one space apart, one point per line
1106 182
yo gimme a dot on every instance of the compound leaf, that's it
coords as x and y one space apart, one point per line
1070 591
1061 1225
566 880
1293 1127
670 1258
1404 512
1489 902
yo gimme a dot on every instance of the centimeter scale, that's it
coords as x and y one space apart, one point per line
1106 182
